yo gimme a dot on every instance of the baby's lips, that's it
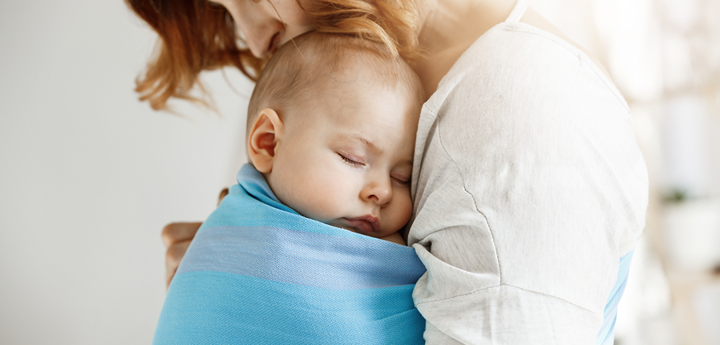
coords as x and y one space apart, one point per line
366 224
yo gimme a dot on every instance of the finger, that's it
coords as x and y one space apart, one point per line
169 277
173 256
223 193
178 232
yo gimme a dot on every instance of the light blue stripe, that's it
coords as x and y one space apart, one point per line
606 336
303 258
225 308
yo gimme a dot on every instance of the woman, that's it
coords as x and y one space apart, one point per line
529 189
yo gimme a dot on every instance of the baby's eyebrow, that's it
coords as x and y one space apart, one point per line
367 142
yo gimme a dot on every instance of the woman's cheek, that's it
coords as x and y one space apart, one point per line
295 14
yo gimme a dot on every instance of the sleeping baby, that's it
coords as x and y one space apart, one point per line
331 126
330 135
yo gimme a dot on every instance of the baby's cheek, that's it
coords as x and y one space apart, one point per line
328 199
407 204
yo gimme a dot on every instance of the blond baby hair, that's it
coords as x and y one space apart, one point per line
292 76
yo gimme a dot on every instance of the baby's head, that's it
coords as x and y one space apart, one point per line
331 125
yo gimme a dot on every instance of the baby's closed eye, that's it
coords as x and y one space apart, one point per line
401 179
353 161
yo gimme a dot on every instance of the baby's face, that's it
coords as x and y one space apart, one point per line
346 160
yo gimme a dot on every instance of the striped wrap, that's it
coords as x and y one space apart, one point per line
257 272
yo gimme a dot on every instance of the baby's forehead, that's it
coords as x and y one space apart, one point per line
356 94
356 104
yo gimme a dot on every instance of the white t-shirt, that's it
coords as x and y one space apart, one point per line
528 187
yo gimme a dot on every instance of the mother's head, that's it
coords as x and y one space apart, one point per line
197 35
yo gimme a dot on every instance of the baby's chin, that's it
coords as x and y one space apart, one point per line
337 224
377 234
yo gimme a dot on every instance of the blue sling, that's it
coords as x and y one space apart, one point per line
257 272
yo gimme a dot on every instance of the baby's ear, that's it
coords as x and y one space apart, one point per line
263 139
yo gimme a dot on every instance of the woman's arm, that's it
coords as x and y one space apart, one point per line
529 190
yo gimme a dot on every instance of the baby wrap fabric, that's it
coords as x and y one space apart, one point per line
257 272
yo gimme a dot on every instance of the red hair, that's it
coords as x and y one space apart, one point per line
196 35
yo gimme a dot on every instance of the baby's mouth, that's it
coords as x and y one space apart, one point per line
365 224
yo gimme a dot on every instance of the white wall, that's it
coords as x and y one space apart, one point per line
89 176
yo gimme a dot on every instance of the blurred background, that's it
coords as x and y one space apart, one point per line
89 175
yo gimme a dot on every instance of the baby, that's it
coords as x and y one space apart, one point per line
331 132
331 126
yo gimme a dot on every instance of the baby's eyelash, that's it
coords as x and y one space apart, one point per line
350 161
401 181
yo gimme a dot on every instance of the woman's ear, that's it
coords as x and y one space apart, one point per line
263 140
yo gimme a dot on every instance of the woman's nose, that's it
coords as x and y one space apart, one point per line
261 31
377 191
263 39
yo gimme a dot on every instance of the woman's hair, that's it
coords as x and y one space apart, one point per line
196 35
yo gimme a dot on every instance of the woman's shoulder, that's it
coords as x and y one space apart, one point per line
519 58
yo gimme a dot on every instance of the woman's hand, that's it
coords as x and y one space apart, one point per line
177 238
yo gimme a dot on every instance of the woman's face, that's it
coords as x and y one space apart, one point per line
267 25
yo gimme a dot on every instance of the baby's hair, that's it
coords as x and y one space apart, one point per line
295 71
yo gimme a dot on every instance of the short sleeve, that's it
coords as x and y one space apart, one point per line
528 188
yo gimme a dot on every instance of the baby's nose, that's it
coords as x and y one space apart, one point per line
378 192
